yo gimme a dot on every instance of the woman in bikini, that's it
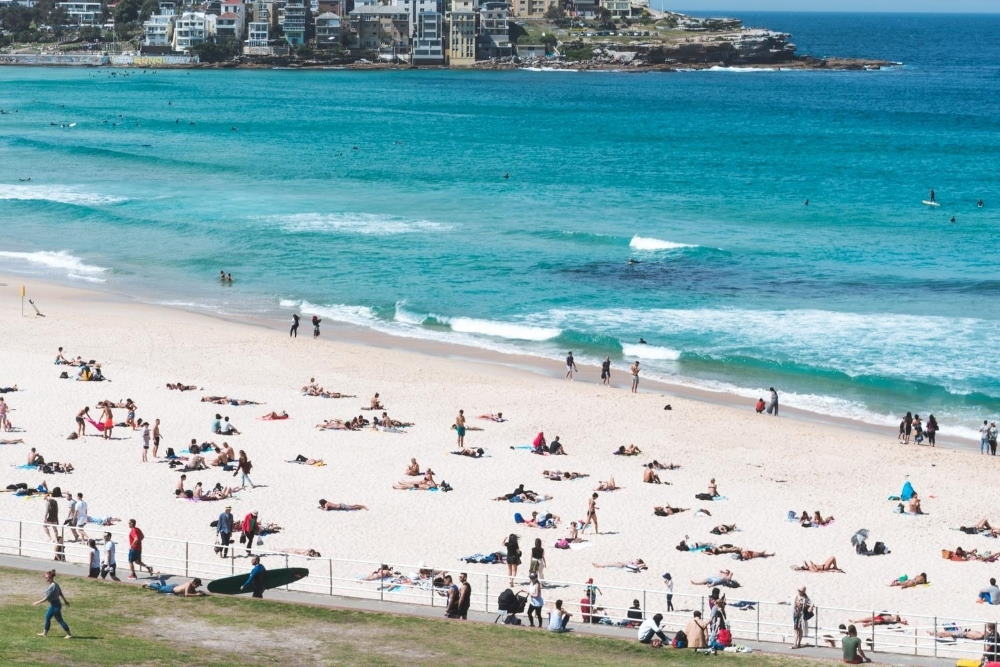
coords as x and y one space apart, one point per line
829 565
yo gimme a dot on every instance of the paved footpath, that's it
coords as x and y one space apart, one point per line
426 611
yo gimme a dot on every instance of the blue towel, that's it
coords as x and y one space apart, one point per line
907 491
26 466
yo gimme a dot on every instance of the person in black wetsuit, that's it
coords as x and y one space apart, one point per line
316 322
294 332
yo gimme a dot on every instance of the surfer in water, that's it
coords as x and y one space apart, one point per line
932 197
642 341
633 260
979 204
952 221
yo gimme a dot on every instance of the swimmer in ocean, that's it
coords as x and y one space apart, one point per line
642 341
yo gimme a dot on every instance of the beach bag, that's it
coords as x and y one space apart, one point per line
518 518
725 637
879 549
562 543
680 640
947 554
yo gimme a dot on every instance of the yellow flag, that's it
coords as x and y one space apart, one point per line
22 291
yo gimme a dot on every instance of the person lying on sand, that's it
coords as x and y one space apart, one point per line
498 417
179 386
385 422
829 565
694 546
725 578
958 633
747 554
818 520
558 475
225 400
649 476
383 571
906 582
195 462
218 493
15 441
721 549
637 565
667 510
274 416
516 492
7 390
308 553
319 392
631 450
427 482
656 465
884 618
472 453
527 497
188 590
339 507
305 460
722 529
983 527
609 485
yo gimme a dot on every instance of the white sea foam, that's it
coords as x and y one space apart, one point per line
73 266
501 329
650 352
289 303
354 223
407 316
649 243
89 279
357 315
720 68
55 193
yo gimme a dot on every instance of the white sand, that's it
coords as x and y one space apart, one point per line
839 471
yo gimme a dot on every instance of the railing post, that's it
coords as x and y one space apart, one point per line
329 561
757 607
19 532
873 633
232 559
703 606
432 590
286 567
816 628
486 602
644 608
935 635
186 551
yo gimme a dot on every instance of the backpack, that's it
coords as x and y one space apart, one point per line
725 637
879 549
680 640
518 518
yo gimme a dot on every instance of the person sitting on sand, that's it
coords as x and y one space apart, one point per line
339 507
227 455
188 590
631 450
694 546
713 489
829 565
574 534
413 470
818 520
637 565
34 458
426 483
609 485
804 520
649 476
725 578
225 400
383 571
227 428
472 453
723 528
759 406
178 386
375 403
747 554
218 493
498 417
274 416
885 618
539 444
906 582
556 448
667 510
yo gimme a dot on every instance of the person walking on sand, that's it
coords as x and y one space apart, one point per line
570 369
243 467
294 331
668 583
635 376
772 406
460 428
592 514
250 528
145 442
316 322
51 520
801 613
224 526
135 538
255 582
56 599
606 371
156 437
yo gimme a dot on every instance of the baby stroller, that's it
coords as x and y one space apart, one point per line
510 604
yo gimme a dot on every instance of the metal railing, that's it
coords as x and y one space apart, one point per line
748 620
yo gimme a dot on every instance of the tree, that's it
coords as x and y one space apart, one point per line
216 52
555 13
148 8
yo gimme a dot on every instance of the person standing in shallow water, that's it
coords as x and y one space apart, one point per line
635 377
606 371
294 331
316 322
570 366
772 407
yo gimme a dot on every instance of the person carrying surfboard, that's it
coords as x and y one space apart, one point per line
255 581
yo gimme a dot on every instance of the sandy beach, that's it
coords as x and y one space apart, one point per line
764 466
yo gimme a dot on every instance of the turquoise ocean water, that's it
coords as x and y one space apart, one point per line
378 198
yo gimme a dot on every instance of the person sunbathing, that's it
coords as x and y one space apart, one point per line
960 554
498 417
631 450
649 476
722 549
305 460
339 507
273 416
188 590
178 386
195 462
637 565
473 453
426 483
218 493
983 527
7 390
656 465
725 578
667 510
884 618
516 492
527 497
607 486
558 475
308 553
385 422
573 535
722 529
958 633
375 403
383 571
747 554
907 582
225 400
56 467
319 392
15 441
829 565
818 520
694 546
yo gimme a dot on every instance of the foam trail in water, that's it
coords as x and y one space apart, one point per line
354 223
649 352
61 260
649 243
56 193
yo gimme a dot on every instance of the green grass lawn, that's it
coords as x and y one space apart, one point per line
116 624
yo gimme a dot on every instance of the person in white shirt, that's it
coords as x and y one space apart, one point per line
558 618
81 517
650 628
110 564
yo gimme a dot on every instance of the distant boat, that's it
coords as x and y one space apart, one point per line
928 202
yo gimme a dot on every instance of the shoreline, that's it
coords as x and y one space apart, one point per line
535 365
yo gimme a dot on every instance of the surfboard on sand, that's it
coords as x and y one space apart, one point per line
272 579
928 202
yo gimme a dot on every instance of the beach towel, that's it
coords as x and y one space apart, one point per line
907 491
576 546
27 466
99 427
